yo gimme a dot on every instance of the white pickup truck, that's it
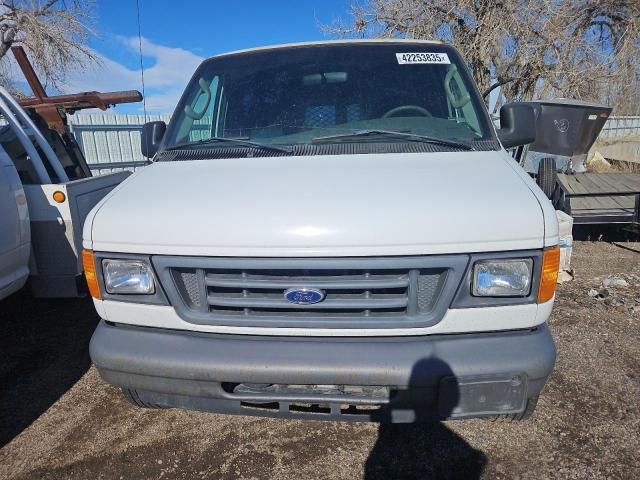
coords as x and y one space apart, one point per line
329 230
46 191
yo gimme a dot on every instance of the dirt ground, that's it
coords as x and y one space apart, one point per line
59 420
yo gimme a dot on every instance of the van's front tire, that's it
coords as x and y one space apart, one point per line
132 397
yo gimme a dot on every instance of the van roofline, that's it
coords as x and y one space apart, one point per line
328 42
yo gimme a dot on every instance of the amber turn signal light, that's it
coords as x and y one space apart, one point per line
549 275
59 196
90 274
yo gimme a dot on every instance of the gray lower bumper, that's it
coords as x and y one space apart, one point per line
434 377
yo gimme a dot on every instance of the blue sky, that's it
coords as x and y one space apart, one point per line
177 35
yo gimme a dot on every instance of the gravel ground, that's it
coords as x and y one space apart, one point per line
59 420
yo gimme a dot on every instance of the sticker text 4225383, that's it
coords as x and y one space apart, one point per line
422 57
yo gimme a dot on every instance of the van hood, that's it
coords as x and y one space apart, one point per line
355 205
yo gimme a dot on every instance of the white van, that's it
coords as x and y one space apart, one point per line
329 230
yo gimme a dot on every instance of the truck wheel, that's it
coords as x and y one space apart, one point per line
132 397
546 179
516 417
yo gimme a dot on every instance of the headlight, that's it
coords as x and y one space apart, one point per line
123 276
502 278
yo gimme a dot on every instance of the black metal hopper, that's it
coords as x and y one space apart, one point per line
567 127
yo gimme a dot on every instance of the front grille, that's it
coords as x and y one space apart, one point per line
358 292
261 292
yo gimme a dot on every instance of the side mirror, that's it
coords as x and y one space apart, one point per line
517 125
152 133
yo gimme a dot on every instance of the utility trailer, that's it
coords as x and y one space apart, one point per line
592 198
565 131
46 189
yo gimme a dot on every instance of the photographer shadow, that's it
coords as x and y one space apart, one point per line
426 448
44 351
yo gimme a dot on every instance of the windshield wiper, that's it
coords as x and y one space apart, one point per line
237 141
409 136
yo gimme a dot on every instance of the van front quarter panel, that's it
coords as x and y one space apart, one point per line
312 243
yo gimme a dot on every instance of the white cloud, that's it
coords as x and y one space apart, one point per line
165 77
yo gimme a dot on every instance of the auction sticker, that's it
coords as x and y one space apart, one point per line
418 57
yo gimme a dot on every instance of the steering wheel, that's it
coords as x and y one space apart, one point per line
411 108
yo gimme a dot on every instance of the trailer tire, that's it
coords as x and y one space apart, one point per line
132 397
547 176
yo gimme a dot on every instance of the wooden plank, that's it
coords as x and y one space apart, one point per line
590 181
565 182
630 181
610 209
620 182
578 185
625 202
596 184
592 187
600 182
581 184
607 182
602 211
624 183
571 184
593 204
588 186
607 205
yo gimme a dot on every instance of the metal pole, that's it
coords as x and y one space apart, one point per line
24 139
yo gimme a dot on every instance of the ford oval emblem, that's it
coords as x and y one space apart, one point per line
304 296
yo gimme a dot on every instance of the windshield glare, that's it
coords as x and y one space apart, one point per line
288 96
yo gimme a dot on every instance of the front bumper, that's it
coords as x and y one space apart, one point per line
380 379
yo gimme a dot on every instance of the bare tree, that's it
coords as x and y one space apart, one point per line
529 48
54 32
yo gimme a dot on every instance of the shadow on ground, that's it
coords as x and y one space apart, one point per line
43 353
427 448
607 233
417 451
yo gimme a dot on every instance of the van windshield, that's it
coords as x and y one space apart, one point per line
331 93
